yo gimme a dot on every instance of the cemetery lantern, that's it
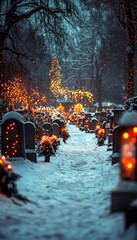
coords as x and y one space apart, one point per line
128 147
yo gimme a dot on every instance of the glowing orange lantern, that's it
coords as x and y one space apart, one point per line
129 154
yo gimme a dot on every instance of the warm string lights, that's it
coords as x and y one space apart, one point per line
78 108
55 77
11 140
14 93
57 90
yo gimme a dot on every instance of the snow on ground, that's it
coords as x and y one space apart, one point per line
71 195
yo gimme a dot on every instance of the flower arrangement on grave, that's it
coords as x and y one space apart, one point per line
65 134
55 142
101 135
47 147
97 128
8 180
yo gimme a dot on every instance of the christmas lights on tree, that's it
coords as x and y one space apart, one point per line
57 89
14 93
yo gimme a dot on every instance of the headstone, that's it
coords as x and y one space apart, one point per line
58 121
47 129
116 144
55 130
94 122
88 116
82 124
117 115
13 135
30 141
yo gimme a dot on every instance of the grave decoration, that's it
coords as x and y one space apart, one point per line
8 180
13 135
55 142
126 189
47 147
97 128
65 134
128 149
100 134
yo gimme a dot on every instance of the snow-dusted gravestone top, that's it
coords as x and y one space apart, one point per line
13 135
47 129
129 119
56 130
58 121
94 122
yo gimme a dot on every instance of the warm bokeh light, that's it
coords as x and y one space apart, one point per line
135 129
125 135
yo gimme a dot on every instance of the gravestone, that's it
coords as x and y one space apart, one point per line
30 141
82 124
47 129
58 121
111 122
117 115
94 122
13 135
88 116
62 123
55 129
116 144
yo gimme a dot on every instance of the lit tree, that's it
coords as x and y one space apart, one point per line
45 15
55 77
57 89
14 92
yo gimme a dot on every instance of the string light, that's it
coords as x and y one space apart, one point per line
57 90
14 92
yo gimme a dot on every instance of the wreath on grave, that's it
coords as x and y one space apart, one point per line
8 180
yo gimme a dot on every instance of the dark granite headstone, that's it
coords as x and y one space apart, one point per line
117 115
94 122
55 130
58 121
29 135
30 141
13 135
116 144
47 129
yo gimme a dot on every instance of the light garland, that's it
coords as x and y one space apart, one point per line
57 90
14 92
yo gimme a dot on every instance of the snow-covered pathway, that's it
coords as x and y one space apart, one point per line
71 195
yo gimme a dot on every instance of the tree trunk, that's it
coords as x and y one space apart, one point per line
2 103
2 73
2 39
131 48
